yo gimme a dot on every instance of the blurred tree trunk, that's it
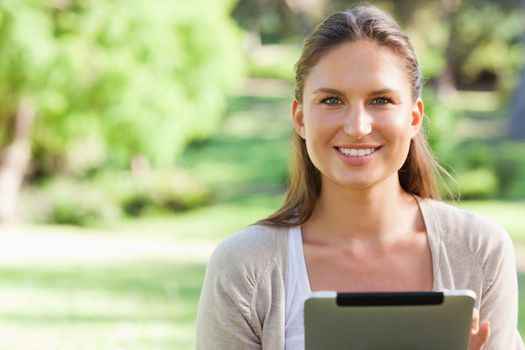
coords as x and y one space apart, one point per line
446 81
14 161
517 118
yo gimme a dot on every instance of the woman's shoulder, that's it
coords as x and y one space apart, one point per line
244 281
253 240
251 250
457 222
466 230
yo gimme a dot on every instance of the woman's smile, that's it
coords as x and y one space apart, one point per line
356 152
357 155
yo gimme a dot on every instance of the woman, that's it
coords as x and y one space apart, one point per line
362 203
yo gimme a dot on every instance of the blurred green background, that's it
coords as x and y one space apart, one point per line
136 135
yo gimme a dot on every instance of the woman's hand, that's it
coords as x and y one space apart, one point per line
479 333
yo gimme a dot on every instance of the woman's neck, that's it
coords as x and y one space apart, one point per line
377 213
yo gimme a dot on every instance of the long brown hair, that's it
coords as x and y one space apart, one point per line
418 174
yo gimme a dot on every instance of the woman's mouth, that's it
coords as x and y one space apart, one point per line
356 152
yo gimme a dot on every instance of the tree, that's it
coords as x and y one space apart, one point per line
106 82
517 118
275 20
475 29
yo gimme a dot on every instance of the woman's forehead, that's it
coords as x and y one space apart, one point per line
362 63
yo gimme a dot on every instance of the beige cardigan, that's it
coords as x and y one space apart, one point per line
242 300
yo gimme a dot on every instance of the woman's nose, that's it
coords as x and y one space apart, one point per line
358 123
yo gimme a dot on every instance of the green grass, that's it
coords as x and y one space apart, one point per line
135 306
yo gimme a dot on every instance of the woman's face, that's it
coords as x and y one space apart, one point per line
357 115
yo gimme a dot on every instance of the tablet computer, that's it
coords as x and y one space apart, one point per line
390 320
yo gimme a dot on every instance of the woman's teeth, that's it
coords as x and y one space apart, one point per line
356 152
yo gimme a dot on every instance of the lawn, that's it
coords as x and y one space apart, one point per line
133 306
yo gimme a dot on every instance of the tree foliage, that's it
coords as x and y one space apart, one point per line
112 80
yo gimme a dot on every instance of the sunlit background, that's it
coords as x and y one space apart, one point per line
135 135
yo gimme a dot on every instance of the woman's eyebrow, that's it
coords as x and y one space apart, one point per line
338 92
327 91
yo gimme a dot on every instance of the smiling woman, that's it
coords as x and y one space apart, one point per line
362 212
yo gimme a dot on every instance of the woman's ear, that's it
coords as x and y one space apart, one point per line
297 117
418 112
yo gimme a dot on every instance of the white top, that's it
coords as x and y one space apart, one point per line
297 289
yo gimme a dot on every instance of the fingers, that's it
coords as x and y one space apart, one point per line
475 321
484 331
480 337
479 333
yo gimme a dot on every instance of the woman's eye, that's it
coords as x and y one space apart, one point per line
331 101
381 101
